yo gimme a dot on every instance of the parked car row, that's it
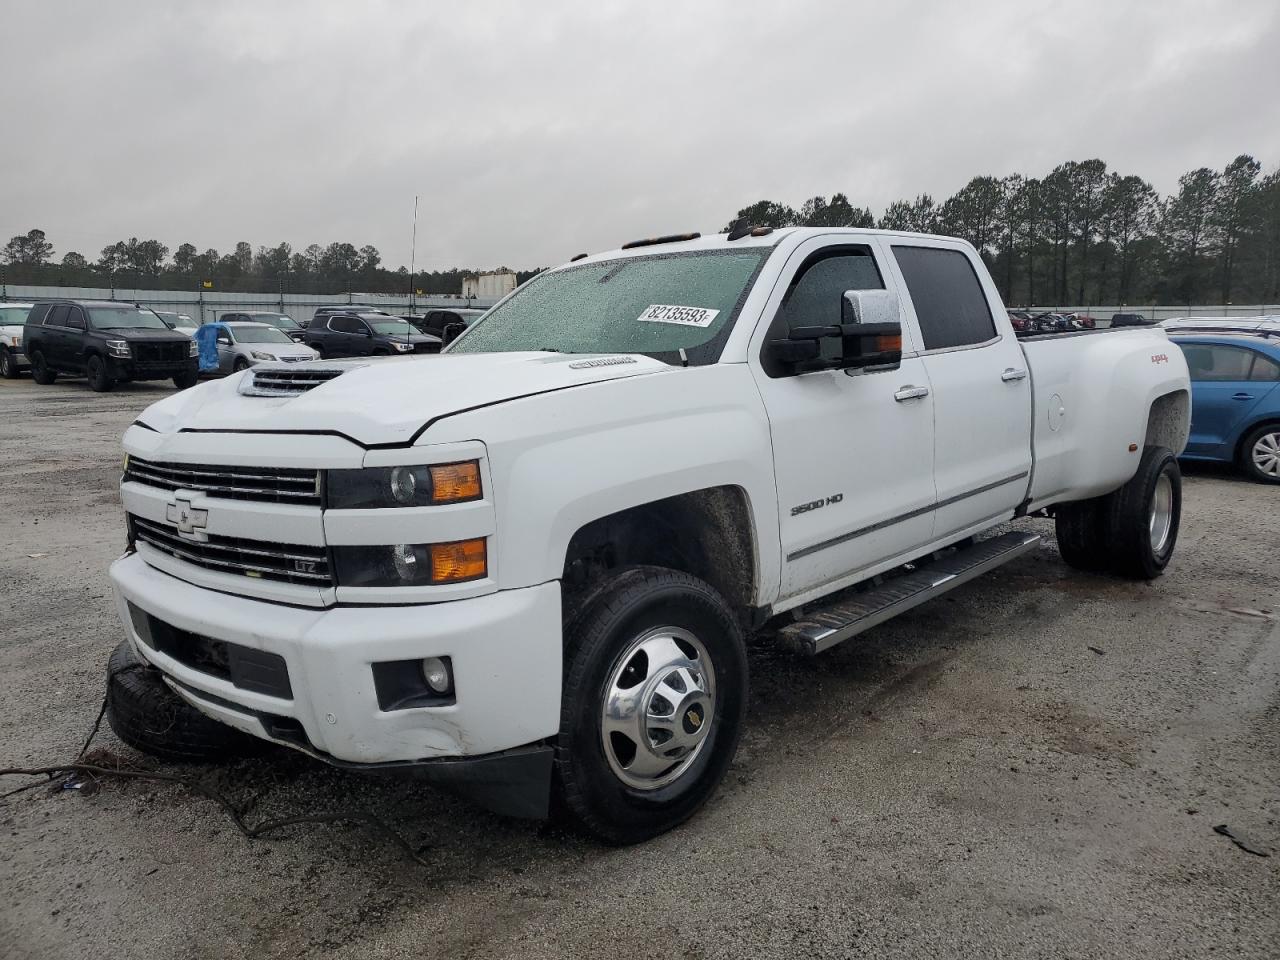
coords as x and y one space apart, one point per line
13 358
1027 323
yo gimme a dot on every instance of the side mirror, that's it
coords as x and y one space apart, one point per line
871 323
451 332
870 335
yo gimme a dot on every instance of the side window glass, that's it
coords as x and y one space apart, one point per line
948 298
38 313
75 318
57 316
813 299
1264 368
1208 362
342 324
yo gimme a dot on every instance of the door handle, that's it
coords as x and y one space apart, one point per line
1242 396
911 393
1012 373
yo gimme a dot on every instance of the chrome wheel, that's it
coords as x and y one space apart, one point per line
1266 454
1160 518
659 704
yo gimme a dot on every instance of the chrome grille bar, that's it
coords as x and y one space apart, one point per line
286 562
250 483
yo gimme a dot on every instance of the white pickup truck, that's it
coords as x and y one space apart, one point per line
525 567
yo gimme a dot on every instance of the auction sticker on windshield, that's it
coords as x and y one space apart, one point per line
681 316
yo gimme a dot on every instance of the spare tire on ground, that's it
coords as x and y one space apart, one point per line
150 717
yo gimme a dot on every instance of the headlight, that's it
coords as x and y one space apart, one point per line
402 346
411 564
193 349
258 355
118 348
404 486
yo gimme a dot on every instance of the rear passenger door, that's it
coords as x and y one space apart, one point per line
980 383
55 337
1228 383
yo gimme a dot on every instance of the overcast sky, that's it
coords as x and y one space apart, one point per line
535 131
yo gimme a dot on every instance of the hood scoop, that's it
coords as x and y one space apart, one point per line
289 382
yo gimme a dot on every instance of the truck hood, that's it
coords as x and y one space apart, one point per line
390 400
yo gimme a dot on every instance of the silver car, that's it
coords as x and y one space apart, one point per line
243 345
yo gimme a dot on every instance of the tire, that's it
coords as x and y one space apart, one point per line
40 371
1081 528
1260 454
100 380
1140 546
241 365
186 379
639 611
8 366
150 717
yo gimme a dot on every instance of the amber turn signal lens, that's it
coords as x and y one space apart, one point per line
889 344
455 482
458 561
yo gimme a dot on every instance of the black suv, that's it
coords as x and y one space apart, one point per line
1130 320
281 321
434 322
366 334
106 341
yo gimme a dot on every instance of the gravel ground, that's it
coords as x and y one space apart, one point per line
1032 766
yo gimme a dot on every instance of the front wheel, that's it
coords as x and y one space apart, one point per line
41 372
100 380
1144 516
241 365
186 379
8 366
1260 454
655 691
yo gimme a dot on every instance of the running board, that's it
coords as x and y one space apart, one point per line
824 627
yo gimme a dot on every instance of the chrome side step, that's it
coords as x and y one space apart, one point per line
824 627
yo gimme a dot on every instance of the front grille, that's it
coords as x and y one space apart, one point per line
160 352
278 382
292 359
244 667
271 484
259 559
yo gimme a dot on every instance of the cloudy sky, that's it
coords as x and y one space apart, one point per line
535 131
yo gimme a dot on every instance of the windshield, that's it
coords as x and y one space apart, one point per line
259 335
13 315
185 322
276 320
396 328
655 305
124 318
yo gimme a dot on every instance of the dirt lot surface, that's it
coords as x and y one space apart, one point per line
1032 766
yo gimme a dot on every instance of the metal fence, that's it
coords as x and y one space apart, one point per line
207 306
1155 312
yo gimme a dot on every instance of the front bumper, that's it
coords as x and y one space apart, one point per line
19 358
505 649
120 368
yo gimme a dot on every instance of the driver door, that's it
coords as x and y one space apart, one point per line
853 449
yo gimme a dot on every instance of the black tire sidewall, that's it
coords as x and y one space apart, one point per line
1133 554
640 600
40 370
1247 466
8 367
241 365
98 375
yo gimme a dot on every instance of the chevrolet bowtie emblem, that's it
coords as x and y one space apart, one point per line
185 517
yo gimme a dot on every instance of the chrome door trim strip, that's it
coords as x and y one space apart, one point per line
901 518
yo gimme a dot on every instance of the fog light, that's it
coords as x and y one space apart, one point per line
436 672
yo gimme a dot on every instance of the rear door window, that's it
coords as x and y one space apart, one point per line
1264 368
57 316
344 324
950 305
1212 362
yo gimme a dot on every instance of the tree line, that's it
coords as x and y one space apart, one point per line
1083 234
337 267
1080 235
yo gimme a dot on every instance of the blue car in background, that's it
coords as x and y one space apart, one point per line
1235 401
